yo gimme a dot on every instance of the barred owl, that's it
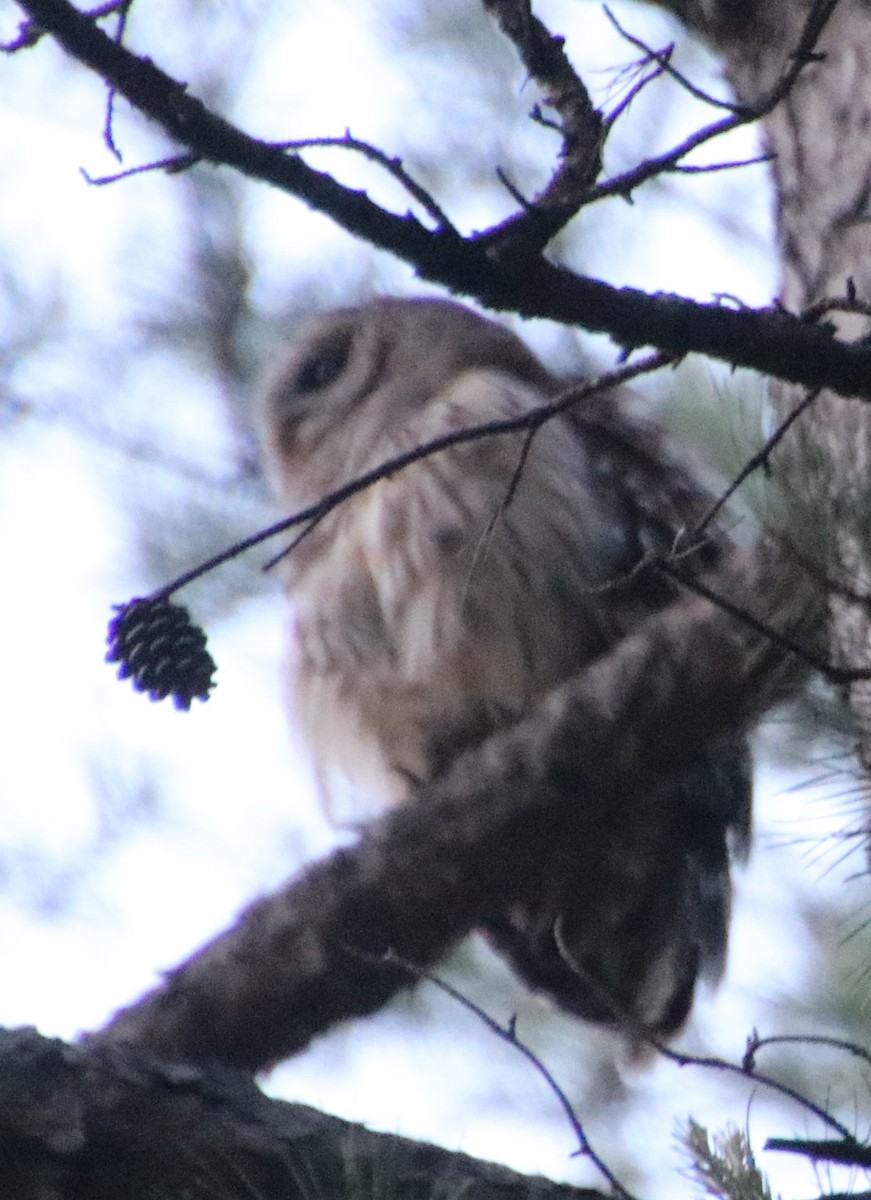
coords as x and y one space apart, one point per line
441 604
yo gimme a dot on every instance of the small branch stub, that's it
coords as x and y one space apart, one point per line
161 650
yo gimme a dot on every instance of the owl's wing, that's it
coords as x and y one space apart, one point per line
626 943
659 496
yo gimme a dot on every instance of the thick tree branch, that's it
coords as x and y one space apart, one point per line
769 341
419 879
114 1123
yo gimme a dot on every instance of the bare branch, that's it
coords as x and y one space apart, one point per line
123 11
392 165
581 126
799 59
663 59
508 1034
115 1123
759 461
746 1070
30 32
768 341
172 165
315 513
805 1039
631 95
710 168
835 674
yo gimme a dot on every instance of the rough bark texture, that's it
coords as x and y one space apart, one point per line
821 140
122 1125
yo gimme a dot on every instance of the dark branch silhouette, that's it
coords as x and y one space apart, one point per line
496 267
113 1123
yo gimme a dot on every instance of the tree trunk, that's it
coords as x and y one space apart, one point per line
820 137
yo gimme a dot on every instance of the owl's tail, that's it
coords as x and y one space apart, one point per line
632 903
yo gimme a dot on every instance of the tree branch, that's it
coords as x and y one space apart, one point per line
581 126
771 341
112 1123
419 879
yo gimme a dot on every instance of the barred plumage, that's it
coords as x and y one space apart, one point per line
445 601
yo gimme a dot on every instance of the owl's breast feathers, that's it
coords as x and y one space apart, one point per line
441 602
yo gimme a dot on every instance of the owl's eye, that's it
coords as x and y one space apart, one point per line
323 366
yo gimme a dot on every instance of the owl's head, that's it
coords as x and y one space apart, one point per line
350 378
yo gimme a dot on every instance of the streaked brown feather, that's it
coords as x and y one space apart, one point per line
446 600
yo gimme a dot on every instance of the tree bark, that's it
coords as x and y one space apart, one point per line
118 1123
820 137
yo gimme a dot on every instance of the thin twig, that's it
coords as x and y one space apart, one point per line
392 165
805 1039
508 1034
760 460
746 1071
663 59
315 513
633 93
172 166
123 10
835 674
507 498
30 31
514 192
803 54
710 168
